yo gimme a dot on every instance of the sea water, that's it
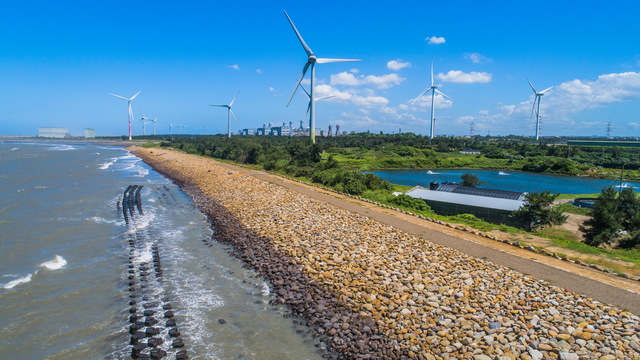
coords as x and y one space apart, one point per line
64 260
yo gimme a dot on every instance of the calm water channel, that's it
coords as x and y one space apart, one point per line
506 180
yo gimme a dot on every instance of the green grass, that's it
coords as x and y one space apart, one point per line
572 209
571 242
575 196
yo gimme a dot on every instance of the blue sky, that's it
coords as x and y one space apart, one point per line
59 60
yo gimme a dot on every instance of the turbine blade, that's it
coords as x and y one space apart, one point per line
118 96
421 95
306 47
305 90
545 90
134 96
234 99
308 109
233 115
532 88
326 97
443 94
533 108
304 71
219 105
325 60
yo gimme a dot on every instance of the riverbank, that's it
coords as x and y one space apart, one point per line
373 291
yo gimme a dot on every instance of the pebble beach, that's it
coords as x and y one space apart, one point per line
371 291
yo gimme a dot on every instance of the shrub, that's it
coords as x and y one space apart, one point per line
408 202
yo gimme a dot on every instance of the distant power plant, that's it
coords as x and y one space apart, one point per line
53 132
289 130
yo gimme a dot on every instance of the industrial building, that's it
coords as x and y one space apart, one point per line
53 132
491 205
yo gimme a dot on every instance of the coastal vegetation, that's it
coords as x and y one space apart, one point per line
339 162
366 151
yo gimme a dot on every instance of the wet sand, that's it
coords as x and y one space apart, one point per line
373 291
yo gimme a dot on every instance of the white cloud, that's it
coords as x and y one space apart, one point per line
435 40
259 71
458 76
234 67
348 96
634 125
483 112
397 64
355 71
439 102
563 100
477 58
380 82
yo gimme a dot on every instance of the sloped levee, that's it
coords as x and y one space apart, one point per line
372 291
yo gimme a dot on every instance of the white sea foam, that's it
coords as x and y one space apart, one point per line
14 149
13 283
107 164
57 263
141 223
63 148
265 289
100 220
145 255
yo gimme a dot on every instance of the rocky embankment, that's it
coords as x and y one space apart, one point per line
374 292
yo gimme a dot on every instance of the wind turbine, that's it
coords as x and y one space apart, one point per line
130 110
170 126
311 62
154 125
536 106
143 120
229 113
434 90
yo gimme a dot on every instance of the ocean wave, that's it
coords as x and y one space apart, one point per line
107 164
13 283
57 263
100 220
62 148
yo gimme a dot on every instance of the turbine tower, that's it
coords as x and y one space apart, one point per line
311 62
536 106
130 110
229 113
434 90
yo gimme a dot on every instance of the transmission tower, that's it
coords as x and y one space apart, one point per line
609 130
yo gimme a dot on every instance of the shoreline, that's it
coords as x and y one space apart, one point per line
118 143
372 291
